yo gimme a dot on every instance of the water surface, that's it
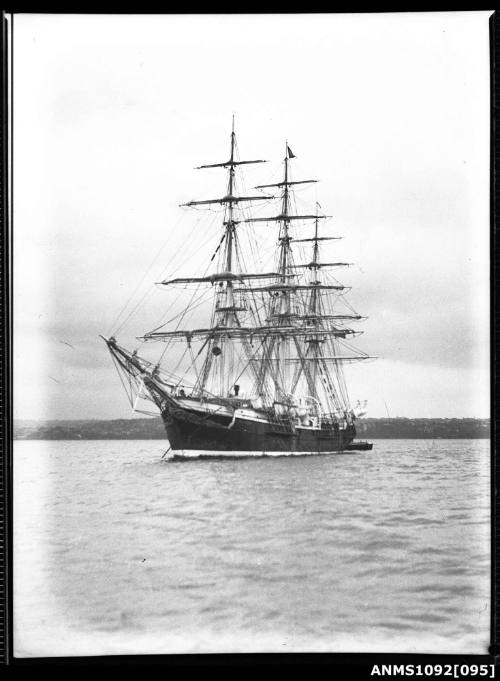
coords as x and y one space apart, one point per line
119 551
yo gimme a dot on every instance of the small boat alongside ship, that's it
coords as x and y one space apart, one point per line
265 371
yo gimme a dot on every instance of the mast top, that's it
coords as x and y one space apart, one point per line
231 162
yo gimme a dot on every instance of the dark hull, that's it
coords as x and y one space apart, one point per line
190 430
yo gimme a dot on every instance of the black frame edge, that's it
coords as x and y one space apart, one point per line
5 355
495 323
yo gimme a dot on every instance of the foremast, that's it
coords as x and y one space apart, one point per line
226 308
280 352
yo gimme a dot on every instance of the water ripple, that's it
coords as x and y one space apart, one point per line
386 549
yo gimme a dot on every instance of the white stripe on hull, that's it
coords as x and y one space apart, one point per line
215 454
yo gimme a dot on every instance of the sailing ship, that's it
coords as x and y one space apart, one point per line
266 373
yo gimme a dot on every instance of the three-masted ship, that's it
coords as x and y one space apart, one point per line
266 373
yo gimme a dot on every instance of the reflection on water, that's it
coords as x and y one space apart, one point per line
119 551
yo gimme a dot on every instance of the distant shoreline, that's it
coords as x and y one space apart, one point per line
153 429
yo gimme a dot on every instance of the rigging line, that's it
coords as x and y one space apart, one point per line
140 302
208 361
134 310
305 368
337 373
189 308
340 373
161 323
350 347
162 354
218 246
202 300
241 260
343 387
329 389
172 272
187 243
265 368
193 362
252 241
297 374
162 247
115 362
280 381
147 293
256 302
180 361
254 246
349 306
259 372
182 316
248 350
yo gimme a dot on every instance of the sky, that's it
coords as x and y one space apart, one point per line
112 113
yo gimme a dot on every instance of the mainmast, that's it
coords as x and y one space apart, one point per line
285 237
280 309
307 313
314 343
283 349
